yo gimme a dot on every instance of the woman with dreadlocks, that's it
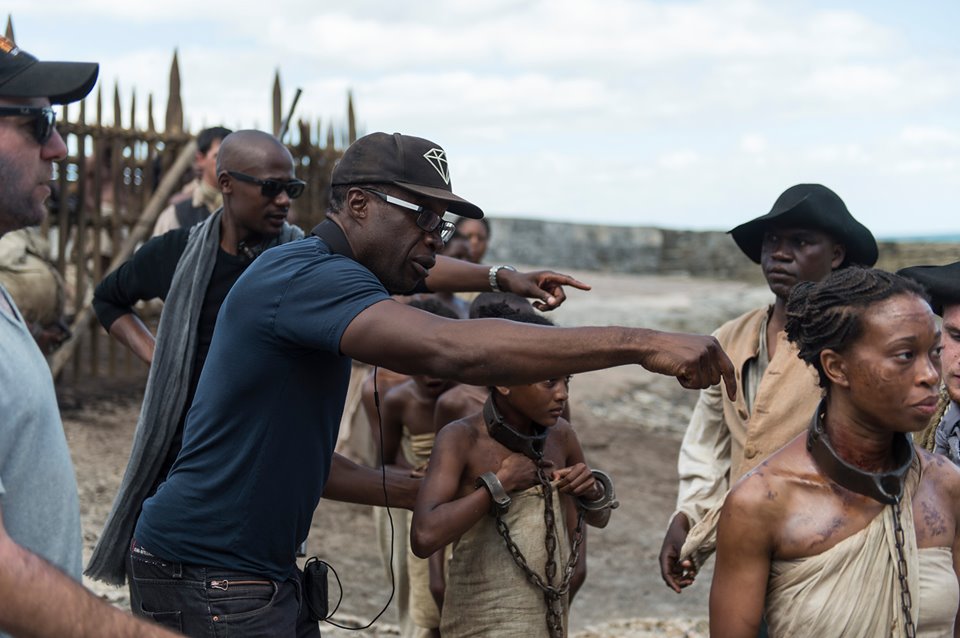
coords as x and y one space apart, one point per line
510 489
849 530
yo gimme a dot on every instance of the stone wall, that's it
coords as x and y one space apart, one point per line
657 251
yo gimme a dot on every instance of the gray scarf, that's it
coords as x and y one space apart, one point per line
167 387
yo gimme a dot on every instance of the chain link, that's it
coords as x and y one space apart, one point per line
906 602
552 593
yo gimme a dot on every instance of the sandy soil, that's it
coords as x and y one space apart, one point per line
630 423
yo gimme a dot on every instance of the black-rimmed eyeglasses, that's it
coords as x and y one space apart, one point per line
43 118
427 220
270 188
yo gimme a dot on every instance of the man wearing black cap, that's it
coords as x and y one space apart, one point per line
259 438
40 546
808 233
192 270
943 285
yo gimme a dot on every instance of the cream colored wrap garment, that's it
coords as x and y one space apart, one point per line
853 589
487 593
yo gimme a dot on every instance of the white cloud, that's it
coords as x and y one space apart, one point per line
679 160
930 136
753 143
679 101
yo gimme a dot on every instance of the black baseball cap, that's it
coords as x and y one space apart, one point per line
23 75
810 206
941 282
412 163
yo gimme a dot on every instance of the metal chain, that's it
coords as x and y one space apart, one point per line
906 603
552 594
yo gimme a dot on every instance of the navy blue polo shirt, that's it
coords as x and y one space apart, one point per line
259 438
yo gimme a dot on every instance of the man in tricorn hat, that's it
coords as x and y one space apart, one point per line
807 234
40 542
943 285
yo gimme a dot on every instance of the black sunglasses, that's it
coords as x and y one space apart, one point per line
270 188
44 119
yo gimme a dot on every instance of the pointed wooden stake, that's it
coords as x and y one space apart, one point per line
277 104
174 119
351 120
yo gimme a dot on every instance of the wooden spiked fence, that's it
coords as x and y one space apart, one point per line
118 176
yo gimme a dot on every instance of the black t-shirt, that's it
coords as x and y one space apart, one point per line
148 275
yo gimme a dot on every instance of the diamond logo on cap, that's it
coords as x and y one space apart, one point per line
438 159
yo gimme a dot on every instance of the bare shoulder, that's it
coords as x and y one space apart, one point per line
456 403
942 472
563 428
459 396
459 433
764 492
399 392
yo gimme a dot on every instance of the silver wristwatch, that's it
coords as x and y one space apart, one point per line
492 275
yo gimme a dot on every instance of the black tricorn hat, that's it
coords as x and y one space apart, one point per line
810 206
942 283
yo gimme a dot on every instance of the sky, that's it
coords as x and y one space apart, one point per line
689 114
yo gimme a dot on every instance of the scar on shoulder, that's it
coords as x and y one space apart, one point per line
830 530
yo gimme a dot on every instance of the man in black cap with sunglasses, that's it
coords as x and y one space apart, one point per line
192 270
259 438
40 544
943 285
806 235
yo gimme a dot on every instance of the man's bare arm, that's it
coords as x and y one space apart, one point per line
130 331
39 601
364 485
546 286
496 351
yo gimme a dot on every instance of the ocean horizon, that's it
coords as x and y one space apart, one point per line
946 238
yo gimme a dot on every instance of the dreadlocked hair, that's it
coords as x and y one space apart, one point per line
827 314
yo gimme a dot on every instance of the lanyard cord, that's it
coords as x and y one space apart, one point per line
386 504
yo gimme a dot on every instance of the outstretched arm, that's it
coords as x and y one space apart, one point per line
28 586
546 286
496 351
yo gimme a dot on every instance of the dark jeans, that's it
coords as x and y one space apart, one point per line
208 602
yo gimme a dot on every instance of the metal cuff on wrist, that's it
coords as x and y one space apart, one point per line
607 500
499 496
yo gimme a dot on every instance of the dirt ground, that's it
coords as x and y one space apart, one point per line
630 423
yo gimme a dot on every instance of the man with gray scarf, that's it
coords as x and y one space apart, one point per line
192 269
943 285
